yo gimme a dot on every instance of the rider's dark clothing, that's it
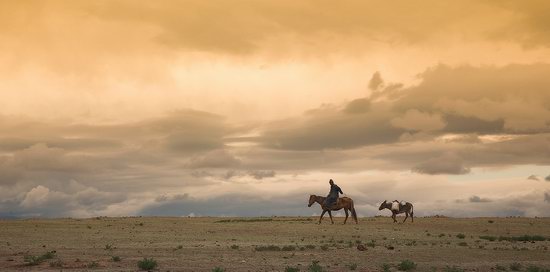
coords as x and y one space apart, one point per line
332 197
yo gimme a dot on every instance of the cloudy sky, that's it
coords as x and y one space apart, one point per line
244 108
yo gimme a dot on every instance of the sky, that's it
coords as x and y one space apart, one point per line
245 108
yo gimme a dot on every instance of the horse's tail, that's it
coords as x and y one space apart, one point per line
412 212
353 213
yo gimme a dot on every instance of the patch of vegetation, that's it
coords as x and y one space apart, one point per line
386 267
324 247
218 269
288 248
515 266
35 260
234 247
352 266
147 264
489 238
115 258
491 221
441 235
315 267
499 267
108 247
533 268
310 246
93 264
406 265
463 244
523 238
460 236
453 268
292 269
371 244
247 220
56 263
268 248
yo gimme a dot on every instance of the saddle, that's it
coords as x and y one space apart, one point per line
396 205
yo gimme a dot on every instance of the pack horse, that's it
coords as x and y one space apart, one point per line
397 207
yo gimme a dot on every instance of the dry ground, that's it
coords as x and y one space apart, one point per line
201 244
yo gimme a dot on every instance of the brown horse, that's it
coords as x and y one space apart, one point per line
343 202
396 208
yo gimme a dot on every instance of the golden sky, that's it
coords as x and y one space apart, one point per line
214 107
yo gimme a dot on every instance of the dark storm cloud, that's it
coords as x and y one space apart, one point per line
445 164
547 178
477 199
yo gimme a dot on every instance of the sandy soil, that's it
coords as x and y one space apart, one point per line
201 244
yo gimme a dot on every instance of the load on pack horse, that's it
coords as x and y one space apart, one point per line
397 207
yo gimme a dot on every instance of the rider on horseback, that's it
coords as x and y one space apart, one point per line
332 197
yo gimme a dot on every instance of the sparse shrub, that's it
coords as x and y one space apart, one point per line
386 267
288 248
116 258
352 266
35 260
108 247
515 266
460 236
147 264
315 267
234 247
533 268
463 244
310 246
93 264
56 263
489 238
453 269
441 235
218 269
292 269
499 267
268 248
324 247
491 221
180 247
371 244
523 238
406 265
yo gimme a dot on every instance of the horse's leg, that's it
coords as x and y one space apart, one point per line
406 216
330 214
346 211
323 213
393 217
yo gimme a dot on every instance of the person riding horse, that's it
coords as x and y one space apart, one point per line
332 197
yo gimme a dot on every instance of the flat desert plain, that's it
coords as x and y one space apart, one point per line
275 244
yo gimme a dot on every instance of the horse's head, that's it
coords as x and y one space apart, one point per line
312 199
383 205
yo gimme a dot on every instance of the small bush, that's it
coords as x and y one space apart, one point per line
147 264
460 236
523 238
288 248
315 267
292 269
268 248
406 265
533 268
371 244
324 247
463 244
352 266
218 269
116 258
515 266
491 221
386 267
489 238
93 264
234 247
310 246
56 263
180 247
35 260
453 269
108 247
499 267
